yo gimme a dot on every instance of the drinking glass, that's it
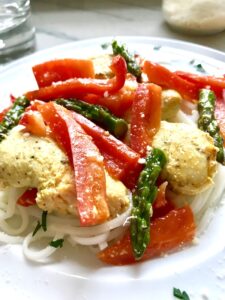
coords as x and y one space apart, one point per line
16 30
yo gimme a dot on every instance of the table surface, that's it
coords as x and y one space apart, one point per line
59 22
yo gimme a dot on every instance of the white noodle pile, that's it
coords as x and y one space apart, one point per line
58 227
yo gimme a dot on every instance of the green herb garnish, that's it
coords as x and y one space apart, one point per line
42 224
157 48
180 295
57 243
105 45
197 66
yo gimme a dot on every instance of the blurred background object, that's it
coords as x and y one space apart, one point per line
195 16
62 21
16 30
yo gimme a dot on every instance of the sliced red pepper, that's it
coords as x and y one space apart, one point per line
168 79
28 198
86 160
79 87
62 69
217 84
145 117
4 112
220 116
167 233
33 122
120 160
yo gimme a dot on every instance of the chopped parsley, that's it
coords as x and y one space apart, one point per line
57 243
157 48
197 66
105 46
43 223
180 295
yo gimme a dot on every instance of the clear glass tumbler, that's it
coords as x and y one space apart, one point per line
16 30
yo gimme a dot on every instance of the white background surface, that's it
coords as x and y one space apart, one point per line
75 273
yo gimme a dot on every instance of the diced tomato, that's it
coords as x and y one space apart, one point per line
217 84
79 87
28 198
168 79
167 233
145 117
220 116
62 69
86 160
33 122
120 160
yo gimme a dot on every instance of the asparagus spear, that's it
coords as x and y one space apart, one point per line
207 121
98 114
142 202
12 117
132 65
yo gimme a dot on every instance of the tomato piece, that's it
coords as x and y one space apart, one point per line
145 117
86 160
217 84
62 69
168 79
167 233
4 112
28 198
120 160
33 122
78 87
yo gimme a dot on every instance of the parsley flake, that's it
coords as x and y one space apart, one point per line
43 223
180 295
105 46
197 66
57 243
157 47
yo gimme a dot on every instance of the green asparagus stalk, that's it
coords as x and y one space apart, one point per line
12 117
143 198
97 114
207 121
132 65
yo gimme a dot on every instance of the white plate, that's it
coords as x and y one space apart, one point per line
76 273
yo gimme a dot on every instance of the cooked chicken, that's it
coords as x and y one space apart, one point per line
191 157
29 161
171 101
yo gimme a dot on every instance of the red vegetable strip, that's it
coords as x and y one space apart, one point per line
62 69
121 161
220 116
77 87
145 117
167 233
28 198
216 83
165 78
86 160
4 112
33 122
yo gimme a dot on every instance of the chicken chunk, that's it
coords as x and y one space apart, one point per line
171 101
30 161
191 157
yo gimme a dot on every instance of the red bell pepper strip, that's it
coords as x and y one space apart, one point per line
28 198
167 233
120 160
86 160
217 84
145 117
4 112
81 86
220 116
168 79
62 69
33 122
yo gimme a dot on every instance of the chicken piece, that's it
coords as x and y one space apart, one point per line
191 157
171 101
30 161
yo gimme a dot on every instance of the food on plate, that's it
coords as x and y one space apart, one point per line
106 153
191 156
